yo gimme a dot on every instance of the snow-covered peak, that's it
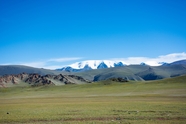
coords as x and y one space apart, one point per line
94 64
143 63
100 64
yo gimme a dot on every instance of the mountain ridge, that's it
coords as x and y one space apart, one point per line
100 64
135 72
17 69
140 72
91 64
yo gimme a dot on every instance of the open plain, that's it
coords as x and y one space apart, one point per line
160 101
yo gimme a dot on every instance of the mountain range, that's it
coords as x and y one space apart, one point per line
88 72
139 72
100 64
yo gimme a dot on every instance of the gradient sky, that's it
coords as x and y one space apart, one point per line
61 32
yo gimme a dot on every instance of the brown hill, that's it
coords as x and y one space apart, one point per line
39 80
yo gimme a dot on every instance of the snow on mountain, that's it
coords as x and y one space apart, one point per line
143 63
95 64
163 63
152 63
99 64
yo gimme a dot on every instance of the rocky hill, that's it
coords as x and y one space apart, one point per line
24 79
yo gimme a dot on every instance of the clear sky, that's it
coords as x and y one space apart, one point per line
54 33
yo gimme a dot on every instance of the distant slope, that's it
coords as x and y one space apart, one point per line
135 72
127 72
17 69
39 80
178 79
182 62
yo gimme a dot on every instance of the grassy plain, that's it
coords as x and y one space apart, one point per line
150 102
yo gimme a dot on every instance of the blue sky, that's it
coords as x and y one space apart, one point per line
54 33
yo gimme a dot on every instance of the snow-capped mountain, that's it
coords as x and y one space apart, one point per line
96 64
99 64
163 63
92 64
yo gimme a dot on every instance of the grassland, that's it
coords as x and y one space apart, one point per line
151 102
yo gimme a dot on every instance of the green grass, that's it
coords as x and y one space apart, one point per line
151 102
